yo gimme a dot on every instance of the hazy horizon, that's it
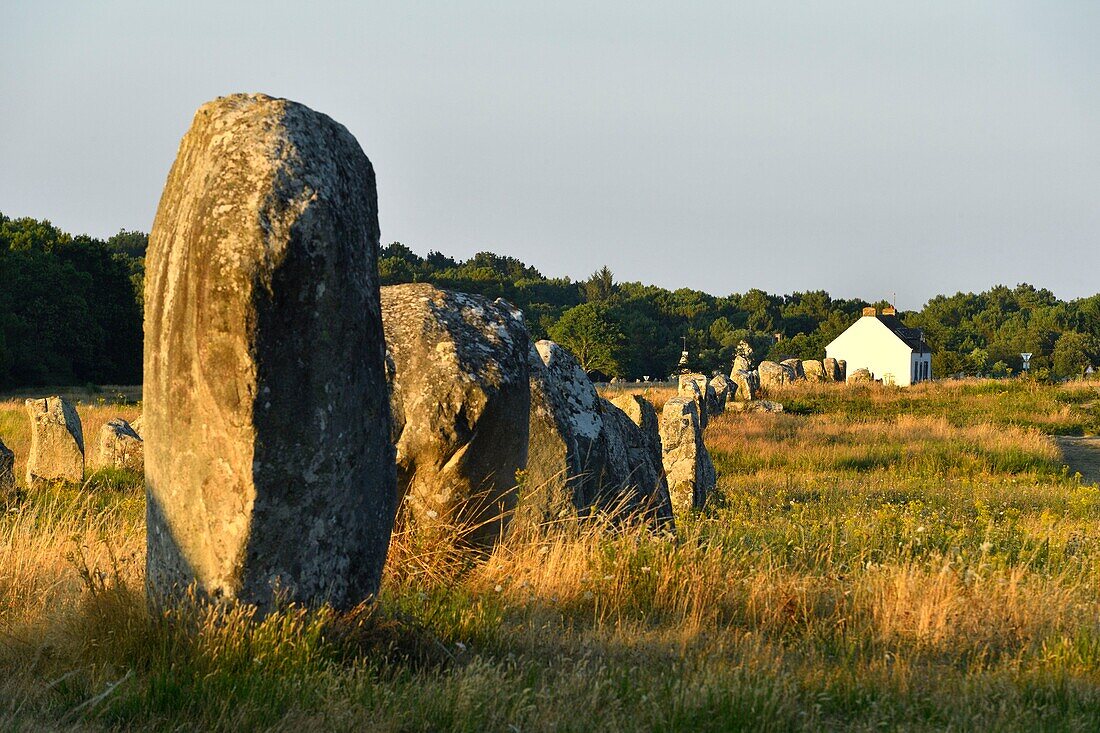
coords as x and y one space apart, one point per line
862 148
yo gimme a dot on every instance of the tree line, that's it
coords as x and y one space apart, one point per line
633 330
70 313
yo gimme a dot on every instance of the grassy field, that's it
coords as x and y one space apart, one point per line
874 559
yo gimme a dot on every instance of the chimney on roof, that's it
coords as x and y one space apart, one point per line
889 311
870 311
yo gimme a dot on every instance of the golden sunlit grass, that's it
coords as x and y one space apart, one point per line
858 569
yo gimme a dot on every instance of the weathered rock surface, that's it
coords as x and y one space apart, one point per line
695 387
755 406
795 369
740 364
842 368
814 370
688 466
646 449
7 471
461 398
745 386
268 464
773 375
565 455
859 376
832 370
57 442
632 484
119 446
720 386
136 425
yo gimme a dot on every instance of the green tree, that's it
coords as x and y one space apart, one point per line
1073 353
591 336
600 286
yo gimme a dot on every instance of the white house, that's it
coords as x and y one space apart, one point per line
880 344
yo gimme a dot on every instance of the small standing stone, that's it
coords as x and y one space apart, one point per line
7 471
795 369
861 376
814 370
720 384
744 386
57 442
773 375
120 446
688 466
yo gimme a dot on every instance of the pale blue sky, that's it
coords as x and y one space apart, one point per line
865 148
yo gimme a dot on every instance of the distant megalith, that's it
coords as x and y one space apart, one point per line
119 446
740 364
7 471
631 485
461 398
814 370
795 369
57 442
842 370
688 466
268 464
832 370
773 375
720 388
565 455
861 376
744 387
697 388
645 447
755 406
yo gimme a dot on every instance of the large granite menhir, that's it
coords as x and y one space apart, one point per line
268 461
461 403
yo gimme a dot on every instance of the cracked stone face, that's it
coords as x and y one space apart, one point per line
688 466
57 442
461 401
269 468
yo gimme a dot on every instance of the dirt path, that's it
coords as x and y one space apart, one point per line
1082 455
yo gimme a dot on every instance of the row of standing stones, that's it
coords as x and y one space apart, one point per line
292 407
57 446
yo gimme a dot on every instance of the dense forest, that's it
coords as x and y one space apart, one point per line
70 313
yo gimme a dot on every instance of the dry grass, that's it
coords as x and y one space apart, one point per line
855 572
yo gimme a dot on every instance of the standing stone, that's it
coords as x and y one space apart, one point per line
842 369
688 467
695 386
740 364
814 370
773 375
632 484
268 464
57 442
860 376
565 455
7 472
795 369
120 446
642 413
461 398
744 386
832 370
720 385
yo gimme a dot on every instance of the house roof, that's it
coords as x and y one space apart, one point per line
911 337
